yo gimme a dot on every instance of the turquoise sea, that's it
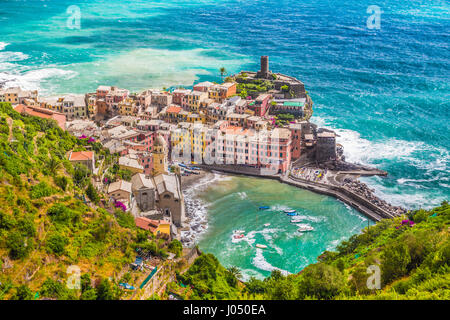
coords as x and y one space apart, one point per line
385 91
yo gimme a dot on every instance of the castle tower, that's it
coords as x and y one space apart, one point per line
264 72
159 156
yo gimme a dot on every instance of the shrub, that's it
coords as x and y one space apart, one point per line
23 293
395 261
18 246
92 193
176 247
42 189
56 244
61 182
321 281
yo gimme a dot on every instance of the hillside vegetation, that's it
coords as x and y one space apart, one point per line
51 216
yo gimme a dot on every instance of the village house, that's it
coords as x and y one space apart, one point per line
16 95
221 92
156 227
203 86
86 158
130 162
120 191
144 192
43 113
170 198
178 94
192 100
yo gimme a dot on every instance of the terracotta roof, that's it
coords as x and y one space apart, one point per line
148 224
173 109
42 113
81 155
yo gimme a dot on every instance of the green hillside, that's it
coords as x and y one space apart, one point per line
52 218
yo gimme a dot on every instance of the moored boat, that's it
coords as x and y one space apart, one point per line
304 227
264 207
292 214
261 246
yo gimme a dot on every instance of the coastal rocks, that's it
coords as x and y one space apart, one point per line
364 191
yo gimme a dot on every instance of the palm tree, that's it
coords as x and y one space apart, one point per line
223 72
235 271
53 165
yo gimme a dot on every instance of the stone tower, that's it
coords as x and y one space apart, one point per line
264 72
159 156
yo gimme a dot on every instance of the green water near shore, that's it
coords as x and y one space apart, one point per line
233 204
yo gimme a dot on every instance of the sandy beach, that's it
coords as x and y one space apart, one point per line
187 181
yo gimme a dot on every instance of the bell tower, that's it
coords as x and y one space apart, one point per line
159 156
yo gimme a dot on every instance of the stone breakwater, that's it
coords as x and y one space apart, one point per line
364 191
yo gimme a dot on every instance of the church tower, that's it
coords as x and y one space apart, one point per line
159 156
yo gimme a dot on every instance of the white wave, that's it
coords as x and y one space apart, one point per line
196 209
242 195
31 80
248 273
261 263
8 56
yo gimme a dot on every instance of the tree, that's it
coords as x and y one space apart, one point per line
81 172
23 293
53 165
395 262
223 72
17 245
92 193
176 247
254 286
321 281
57 243
235 271
104 290
61 181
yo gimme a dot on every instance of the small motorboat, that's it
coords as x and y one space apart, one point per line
289 211
267 224
296 220
238 236
238 231
292 214
304 227
264 207
261 246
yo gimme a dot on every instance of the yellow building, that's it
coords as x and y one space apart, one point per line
126 108
159 156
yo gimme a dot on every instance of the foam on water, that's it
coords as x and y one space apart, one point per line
261 263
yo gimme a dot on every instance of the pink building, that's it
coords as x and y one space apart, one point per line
178 94
261 104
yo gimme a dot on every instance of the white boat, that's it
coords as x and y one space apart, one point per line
267 224
304 227
261 246
289 211
238 231
296 220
